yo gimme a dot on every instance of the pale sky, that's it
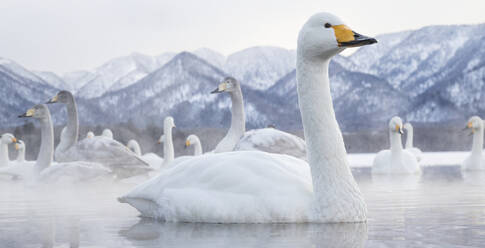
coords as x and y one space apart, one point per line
67 35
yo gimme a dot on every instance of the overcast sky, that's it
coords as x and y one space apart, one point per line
64 35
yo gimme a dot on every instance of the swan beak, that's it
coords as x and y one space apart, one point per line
399 129
14 140
29 113
348 38
221 88
17 147
187 143
53 100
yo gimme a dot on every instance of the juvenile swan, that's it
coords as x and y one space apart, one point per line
255 186
396 160
475 162
409 142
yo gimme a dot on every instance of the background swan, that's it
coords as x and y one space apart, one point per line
409 142
475 160
43 170
396 160
89 134
254 186
107 133
168 152
98 149
151 158
193 140
20 147
5 140
20 168
268 139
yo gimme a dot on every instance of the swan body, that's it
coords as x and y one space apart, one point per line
5 140
267 139
395 160
475 161
43 169
193 140
98 149
255 186
273 141
409 142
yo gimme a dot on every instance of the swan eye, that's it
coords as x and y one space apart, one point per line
328 25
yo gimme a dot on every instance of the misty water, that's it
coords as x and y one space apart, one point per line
441 208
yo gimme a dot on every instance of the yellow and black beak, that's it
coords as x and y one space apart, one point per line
53 100
348 38
29 113
221 88
187 143
14 140
399 129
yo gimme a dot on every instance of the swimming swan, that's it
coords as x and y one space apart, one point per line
396 160
193 140
43 169
98 149
409 142
254 186
5 140
474 161
151 158
267 139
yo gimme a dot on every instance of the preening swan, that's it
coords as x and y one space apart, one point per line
267 140
409 142
193 140
396 160
254 186
43 170
475 160
5 140
107 133
134 147
98 149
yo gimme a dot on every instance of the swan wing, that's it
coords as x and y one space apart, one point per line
232 187
273 141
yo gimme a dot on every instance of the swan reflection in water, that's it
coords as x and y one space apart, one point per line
244 235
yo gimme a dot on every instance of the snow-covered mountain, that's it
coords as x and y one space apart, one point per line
434 74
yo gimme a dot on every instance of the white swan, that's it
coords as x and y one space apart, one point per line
90 134
151 158
267 139
43 169
475 161
5 140
107 133
20 147
98 149
18 169
409 142
254 186
396 160
193 140
168 152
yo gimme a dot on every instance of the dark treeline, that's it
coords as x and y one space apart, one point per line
428 137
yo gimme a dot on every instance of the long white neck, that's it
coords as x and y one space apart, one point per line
168 153
337 196
238 123
409 137
21 154
135 147
396 143
46 152
4 159
197 147
477 143
72 129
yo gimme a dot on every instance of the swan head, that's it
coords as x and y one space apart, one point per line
229 84
395 125
408 126
62 96
191 139
107 133
474 124
39 111
325 35
8 138
160 140
90 134
169 122
20 145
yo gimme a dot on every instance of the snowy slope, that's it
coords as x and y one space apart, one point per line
52 79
